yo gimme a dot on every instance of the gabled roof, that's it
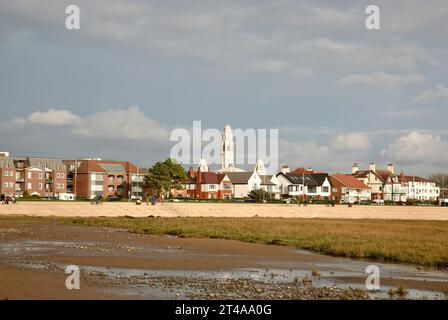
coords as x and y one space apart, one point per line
6 162
381 174
266 180
298 178
320 177
112 167
349 181
105 166
221 176
240 177
209 178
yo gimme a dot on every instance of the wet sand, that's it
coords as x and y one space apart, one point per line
85 209
117 264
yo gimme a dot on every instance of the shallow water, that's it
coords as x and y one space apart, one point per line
337 272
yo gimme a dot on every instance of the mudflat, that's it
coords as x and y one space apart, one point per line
117 264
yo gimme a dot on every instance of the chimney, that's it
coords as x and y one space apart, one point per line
198 183
372 167
285 169
390 168
191 173
355 168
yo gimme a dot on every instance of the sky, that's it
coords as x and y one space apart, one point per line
136 70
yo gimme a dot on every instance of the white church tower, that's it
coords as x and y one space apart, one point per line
227 149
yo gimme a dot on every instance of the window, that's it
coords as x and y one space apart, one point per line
30 175
6 184
62 175
325 189
111 178
120 179
110 188
212 187
62 186
41 176
40 186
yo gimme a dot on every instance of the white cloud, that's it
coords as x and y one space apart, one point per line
409 113
269 66
417 146
350 142
382 80
53 117
440 91
130 123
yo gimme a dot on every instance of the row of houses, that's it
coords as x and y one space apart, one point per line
359 186
87 178
90 178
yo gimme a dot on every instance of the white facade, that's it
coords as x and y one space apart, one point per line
242 190
295 190
422 190
273 187
227 148
352 195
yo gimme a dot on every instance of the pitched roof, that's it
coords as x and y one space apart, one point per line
209 178
416 179
381 174
299 178
112 167
6 162
349 181
266 180
85 166
221 176
320 177
239 177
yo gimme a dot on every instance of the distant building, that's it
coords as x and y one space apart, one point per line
202 184
388 186
91 178
228 152
305 185
41 177
348 189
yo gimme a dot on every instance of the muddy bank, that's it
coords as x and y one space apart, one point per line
117 264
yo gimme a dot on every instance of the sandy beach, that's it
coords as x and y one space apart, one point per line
85 209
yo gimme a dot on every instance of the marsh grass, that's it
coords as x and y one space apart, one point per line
404 241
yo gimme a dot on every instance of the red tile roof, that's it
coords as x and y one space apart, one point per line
349 181
209 178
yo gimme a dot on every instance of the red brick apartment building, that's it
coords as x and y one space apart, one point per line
91 178
42 177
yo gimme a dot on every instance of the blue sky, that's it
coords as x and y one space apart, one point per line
337 92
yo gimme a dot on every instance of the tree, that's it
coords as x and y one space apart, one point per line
259 195
163 176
